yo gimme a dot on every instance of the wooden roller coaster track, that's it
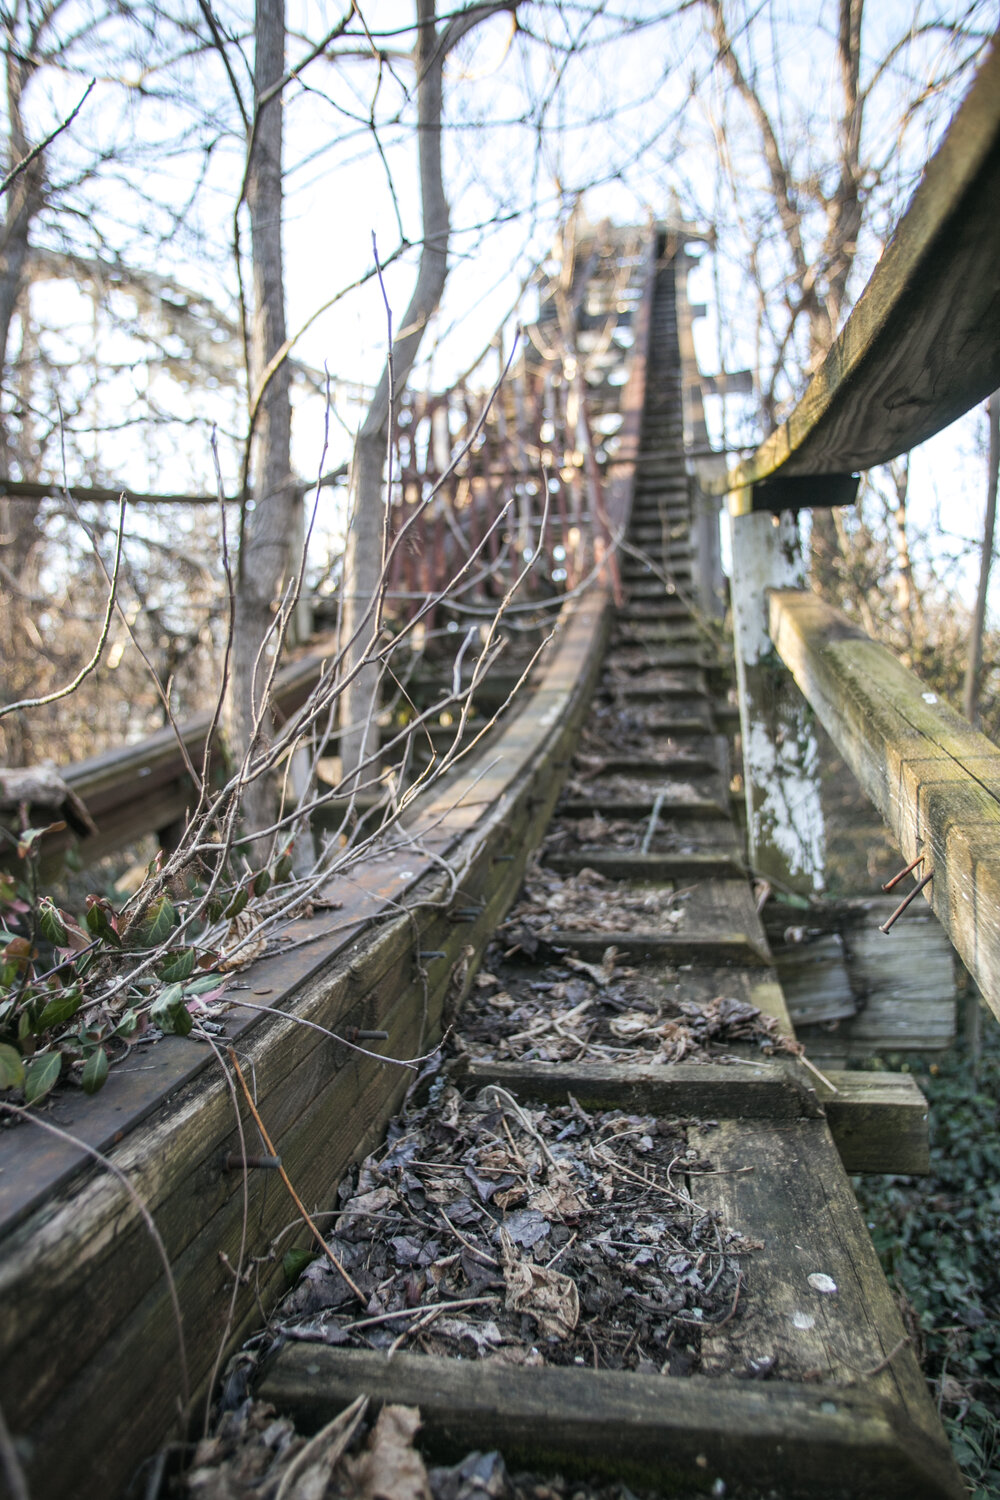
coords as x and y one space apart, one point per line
87 1327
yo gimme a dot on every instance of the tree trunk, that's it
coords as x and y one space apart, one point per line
264 551
18 533
364 554
970 698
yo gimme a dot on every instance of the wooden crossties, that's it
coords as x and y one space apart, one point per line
810 1387
921 345
843 1409
935 780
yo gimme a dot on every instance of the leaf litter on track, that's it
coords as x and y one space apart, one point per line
489 1229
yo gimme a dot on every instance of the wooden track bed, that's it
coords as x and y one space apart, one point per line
808 1387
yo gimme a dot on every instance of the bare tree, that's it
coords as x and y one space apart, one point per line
263 561
363 561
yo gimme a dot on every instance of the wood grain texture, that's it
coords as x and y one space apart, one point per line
814 1442
920 346
798 1202
82 1261
934 779
878 1121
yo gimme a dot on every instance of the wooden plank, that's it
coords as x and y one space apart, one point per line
878 1121
815 980
765 1090
934 779
624 865
811 1441
784 814
920 346
844 1331
706 946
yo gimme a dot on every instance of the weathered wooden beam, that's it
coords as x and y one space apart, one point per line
812 1440
878 1120
920 346
934 779
780 754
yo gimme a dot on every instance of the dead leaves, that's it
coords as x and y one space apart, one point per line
391 1468
550 1297
241 944
494 1229
589 902
567 1010
256 1455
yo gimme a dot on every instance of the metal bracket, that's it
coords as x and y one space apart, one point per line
797 492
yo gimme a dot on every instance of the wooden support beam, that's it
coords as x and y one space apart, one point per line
780 777
934 779
878 1120
648 1430
920 346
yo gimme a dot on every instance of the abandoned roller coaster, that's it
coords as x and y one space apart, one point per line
641 1047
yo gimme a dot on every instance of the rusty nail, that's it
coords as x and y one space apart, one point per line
925 880
431 953
891 884
465 914
357 1034
234 1162
502 859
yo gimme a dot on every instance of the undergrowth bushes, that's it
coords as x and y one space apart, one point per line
938 1238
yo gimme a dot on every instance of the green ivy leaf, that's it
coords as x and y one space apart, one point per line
179 966
294 1262
213 909
158 923
202 986
42 1075
60 1010
128 1024
262 883
95 1071
283 868
169 1012
183 1020
52 926
11 1067
237 904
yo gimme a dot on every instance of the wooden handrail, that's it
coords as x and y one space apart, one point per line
920 347
935 779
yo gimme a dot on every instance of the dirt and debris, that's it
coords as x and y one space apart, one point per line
642 790
598 834
489 1229
567 1010
587 901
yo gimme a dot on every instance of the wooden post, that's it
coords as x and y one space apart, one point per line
706 503
780 752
